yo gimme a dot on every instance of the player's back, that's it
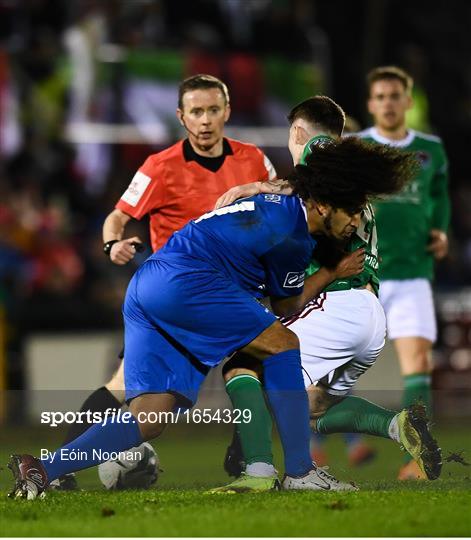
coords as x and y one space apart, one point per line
251 241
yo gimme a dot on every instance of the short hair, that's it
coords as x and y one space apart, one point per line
389 73
321 112
201 82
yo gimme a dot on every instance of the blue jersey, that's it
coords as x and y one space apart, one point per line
261 243
192 303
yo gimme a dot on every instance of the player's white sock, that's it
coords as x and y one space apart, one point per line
260 469
393 429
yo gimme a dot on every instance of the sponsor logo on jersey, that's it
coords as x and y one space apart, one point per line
272 198
294 280
372 261
136 189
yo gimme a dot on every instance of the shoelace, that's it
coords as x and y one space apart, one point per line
322 471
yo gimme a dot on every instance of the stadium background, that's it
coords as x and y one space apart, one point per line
88 90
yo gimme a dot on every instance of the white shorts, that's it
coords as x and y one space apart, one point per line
408 304
341 334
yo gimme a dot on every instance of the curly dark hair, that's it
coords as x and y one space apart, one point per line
348 173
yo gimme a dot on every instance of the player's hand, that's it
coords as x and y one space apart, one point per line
124 250
238 192
277 186
351 264
438 244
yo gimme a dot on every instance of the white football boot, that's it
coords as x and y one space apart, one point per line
317 479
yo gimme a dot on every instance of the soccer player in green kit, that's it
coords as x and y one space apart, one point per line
412 232
341 334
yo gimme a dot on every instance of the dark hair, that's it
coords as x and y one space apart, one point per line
347 173
322 113
389 73
201 82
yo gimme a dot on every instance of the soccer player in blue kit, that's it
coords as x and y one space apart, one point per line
193 303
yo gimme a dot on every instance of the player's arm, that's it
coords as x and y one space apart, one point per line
349 265
278 186
122 250
438 244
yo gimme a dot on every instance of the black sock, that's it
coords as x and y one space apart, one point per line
99 401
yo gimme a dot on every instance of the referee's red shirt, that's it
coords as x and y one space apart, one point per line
173 188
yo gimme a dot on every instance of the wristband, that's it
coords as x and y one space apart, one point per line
108 245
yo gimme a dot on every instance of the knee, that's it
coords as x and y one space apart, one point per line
275 339
150 431
241 364
285 340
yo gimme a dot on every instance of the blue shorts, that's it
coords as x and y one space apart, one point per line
181 318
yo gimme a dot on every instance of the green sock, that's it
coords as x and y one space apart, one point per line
417 388
356 415
246 392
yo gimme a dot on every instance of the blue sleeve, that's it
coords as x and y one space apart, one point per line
285 266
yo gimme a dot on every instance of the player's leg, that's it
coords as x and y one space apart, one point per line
115 385
332 408
110 396
284 385
334 411
251 446
333 330
324 345
414 355
278 350
156 371
412 329
214 318
359 452
409 428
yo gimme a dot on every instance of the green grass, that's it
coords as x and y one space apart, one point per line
191 459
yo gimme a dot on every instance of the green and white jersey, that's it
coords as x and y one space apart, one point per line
366 237
404 220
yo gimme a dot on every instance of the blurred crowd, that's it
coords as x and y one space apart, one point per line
119 62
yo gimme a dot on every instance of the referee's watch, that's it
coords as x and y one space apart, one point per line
108 245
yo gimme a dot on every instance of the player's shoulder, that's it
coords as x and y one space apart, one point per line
172 153
253 157
282 207
428 138
244 149
366 133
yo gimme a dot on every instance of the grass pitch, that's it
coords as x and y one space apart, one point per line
191 459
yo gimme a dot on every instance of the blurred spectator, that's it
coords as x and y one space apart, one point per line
88 100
